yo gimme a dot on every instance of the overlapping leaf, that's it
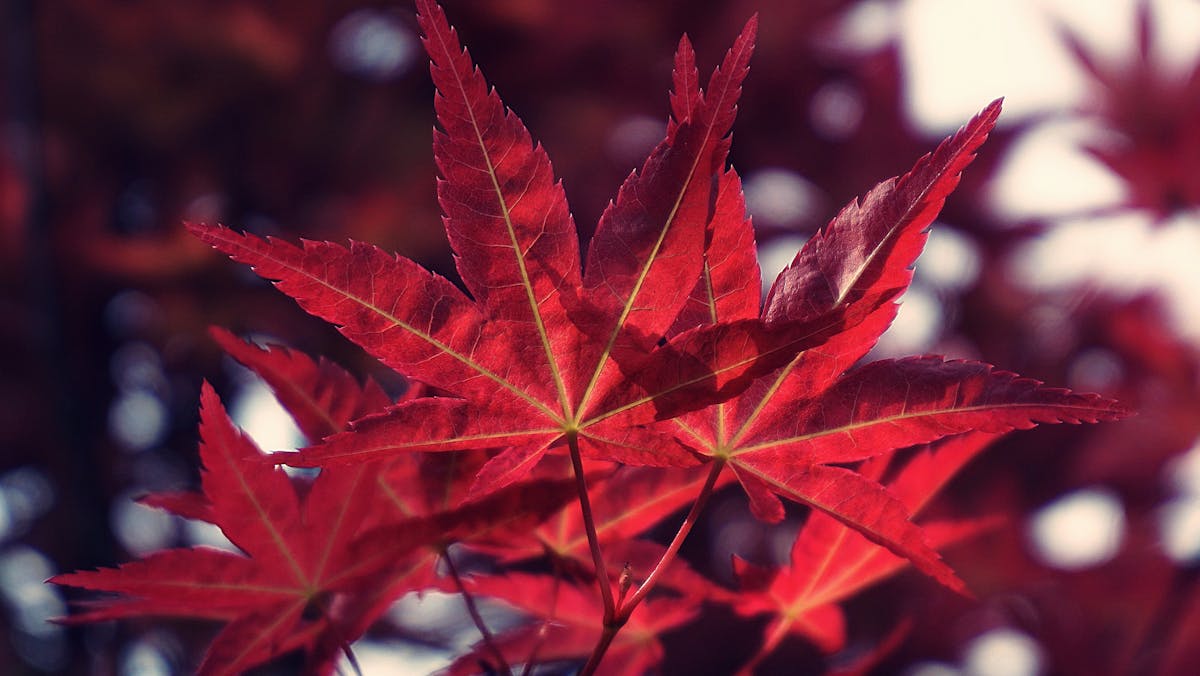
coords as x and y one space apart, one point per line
830 562
540 350
786 433
321 396
625 505
276 598
340 550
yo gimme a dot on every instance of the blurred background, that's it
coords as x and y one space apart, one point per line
1067 254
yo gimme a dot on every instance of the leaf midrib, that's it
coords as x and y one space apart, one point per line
266 632
280 542
518 253
203 586
360 450
396 321
301 393
857 276
906 218
825 586
343 507
651 260
851 427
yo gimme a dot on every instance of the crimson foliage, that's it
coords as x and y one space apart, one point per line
568 403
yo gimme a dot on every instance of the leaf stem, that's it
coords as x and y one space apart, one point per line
321 605
473 610
621 616
589 524
677 542
606 639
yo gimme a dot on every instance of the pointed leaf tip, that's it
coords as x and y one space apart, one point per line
991 112
864 256
751 27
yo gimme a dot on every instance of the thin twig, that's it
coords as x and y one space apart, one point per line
322 606
473 610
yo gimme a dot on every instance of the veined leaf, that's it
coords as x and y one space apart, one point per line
783 434
542 350
830 562
297 557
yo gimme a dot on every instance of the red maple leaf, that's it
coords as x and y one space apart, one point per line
830 562
285 592
788 433
323 560
542 352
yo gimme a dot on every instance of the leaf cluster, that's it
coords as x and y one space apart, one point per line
569 401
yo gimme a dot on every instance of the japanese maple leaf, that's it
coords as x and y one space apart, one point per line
830 562
312 579
418 488
541 351
286 592
320 396
788 433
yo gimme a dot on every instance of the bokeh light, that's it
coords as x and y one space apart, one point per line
372 44
781 198
1002 652
141 529
1079 530
1179 518
256 410
31 604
